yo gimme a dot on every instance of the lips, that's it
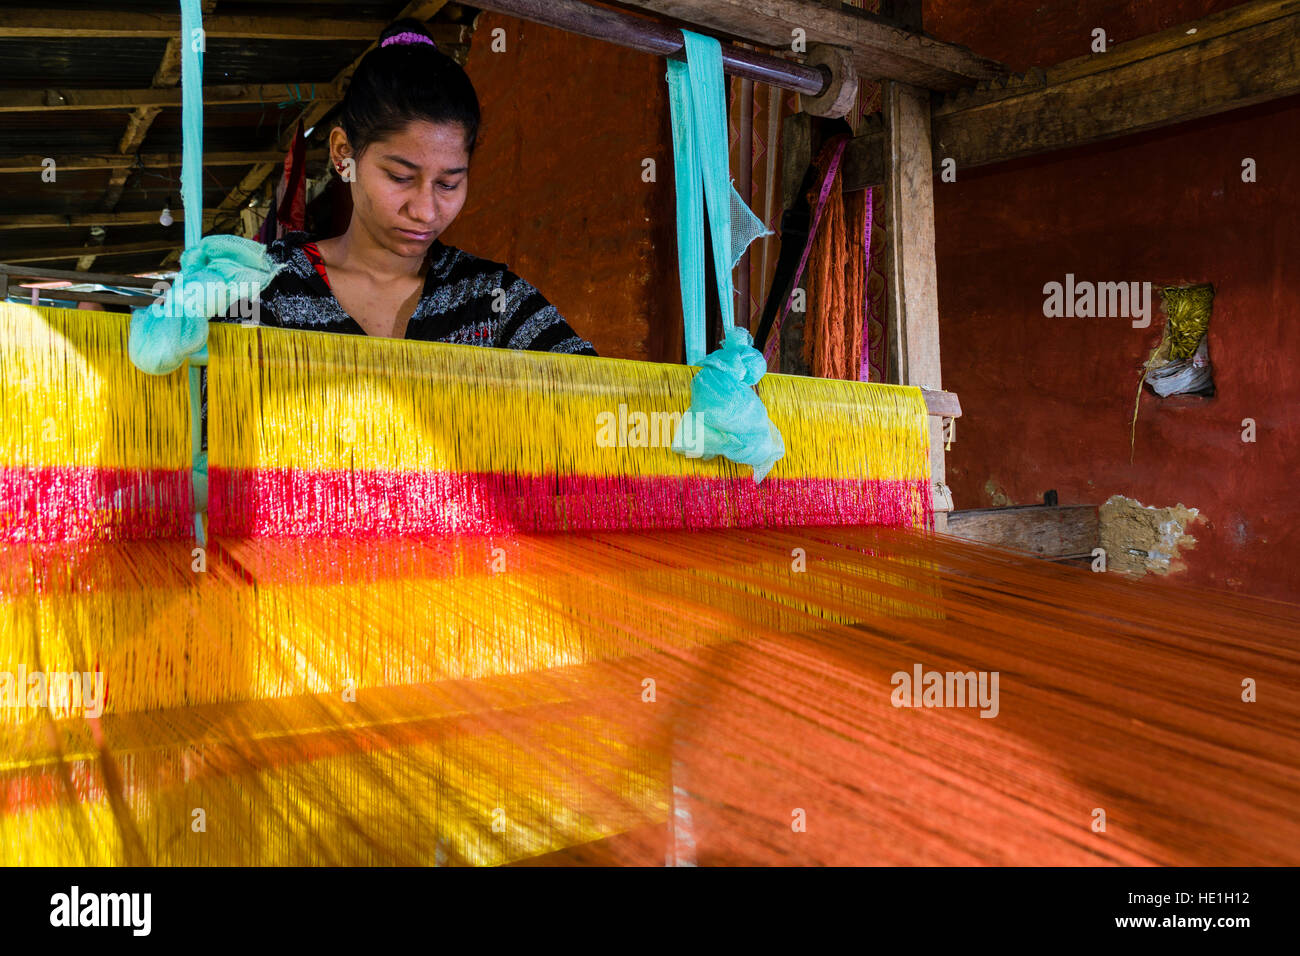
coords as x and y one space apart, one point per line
417 236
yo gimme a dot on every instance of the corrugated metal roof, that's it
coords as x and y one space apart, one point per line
63 62
78 62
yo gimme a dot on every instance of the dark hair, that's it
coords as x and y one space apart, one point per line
400 83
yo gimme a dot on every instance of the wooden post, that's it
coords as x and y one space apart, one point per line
912 278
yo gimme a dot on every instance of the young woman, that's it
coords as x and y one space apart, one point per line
407 129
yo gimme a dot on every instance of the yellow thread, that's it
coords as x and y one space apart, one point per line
70 397
322 401
198 663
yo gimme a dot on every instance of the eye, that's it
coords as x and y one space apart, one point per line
449 187
399 179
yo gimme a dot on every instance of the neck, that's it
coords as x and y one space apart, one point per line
360 252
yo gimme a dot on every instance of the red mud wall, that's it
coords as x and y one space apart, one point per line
556 187
1047 402
556 191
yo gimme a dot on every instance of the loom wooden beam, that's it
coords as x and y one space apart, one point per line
76 252
911 272
1237 58
103 298
13 272
34 163
880 49
108 24
41 101
54 221
651 35
942 404
1061 532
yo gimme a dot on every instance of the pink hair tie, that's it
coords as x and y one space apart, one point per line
408 37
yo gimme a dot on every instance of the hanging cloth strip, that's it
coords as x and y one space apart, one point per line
215 271
292 213
726 416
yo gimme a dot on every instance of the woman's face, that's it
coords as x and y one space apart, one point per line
410 186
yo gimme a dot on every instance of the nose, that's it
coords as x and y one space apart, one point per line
423 208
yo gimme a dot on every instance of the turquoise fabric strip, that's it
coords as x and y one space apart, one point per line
199 464
215 273
192 46
690 222
192 331
726 416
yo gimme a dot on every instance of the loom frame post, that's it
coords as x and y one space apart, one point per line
911 269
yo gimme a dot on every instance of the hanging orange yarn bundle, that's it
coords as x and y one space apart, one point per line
832 346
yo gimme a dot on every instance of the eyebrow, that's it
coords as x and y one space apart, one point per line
416 166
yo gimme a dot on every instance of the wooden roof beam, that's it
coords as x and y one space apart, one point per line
41 101
879 49
168 75
55 221
76 252
1240 57
35 164
45 22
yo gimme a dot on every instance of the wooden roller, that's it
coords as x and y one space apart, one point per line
837 98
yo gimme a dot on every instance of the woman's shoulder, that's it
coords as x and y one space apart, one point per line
292 289
285 249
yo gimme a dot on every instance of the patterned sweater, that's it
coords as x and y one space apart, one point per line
457 305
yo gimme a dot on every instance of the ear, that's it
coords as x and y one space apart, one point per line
339 147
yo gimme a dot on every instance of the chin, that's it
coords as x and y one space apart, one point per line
404 244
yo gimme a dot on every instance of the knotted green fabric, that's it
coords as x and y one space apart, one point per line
214 272
728 417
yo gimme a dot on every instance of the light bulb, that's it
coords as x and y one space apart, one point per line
166 217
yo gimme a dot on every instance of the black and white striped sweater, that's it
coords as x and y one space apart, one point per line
466 300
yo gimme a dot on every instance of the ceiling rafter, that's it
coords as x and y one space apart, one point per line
167 76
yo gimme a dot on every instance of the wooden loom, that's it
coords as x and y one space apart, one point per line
530 711
380 659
